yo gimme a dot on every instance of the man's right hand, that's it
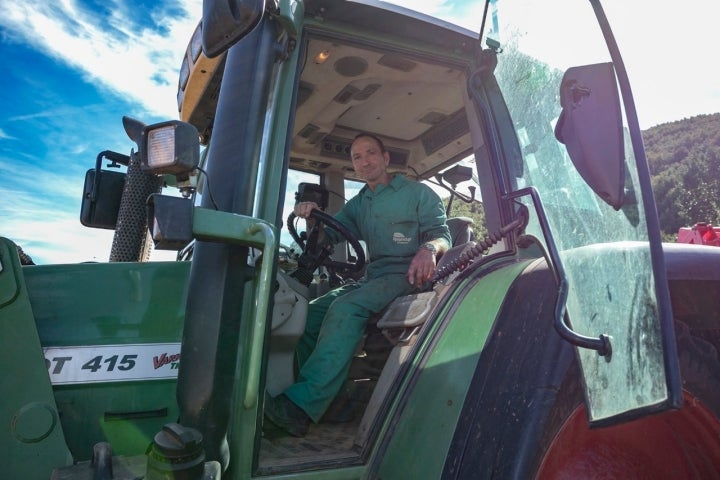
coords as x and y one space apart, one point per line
303 209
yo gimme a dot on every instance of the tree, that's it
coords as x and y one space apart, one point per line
472 210
684 158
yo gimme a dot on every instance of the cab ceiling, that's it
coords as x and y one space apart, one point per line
416 107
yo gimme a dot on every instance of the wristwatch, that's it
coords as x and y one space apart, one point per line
429 246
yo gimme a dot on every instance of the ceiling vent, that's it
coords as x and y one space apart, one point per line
308 130
312 133
346 94
432 118
336 147
339 148
397 62
366 92
454 127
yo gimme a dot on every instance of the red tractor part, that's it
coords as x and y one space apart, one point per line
700 234
679 445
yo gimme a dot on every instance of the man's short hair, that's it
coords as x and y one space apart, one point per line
374 137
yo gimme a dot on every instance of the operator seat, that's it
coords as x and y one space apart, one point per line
461 230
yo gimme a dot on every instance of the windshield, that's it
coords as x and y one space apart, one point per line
603 251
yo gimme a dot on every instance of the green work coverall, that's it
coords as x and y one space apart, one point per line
394 220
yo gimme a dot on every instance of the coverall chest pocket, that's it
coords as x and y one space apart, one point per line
399 233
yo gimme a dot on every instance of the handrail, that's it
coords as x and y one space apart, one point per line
213 225
262 298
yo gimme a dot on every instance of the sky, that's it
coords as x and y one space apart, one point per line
73 68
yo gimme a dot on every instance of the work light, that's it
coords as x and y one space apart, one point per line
171 147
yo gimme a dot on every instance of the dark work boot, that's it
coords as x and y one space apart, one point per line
287 416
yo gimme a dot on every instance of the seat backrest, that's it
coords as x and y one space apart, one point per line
461 230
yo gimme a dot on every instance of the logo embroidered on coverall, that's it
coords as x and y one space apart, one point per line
401 239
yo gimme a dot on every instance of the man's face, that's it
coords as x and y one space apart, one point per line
369 162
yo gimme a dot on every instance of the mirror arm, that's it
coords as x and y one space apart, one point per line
449 205
439 182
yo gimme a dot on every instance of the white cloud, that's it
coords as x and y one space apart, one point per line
55 239
41 204
142 65
5 136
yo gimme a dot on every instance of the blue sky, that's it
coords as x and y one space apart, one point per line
73 68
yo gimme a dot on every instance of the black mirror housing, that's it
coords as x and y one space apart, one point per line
225 22
591 128
457 174
103 191
101 209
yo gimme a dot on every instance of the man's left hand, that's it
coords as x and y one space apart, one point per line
421 268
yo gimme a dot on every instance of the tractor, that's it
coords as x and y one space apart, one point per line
558 338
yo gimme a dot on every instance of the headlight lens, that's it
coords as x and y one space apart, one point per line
170 147
161 147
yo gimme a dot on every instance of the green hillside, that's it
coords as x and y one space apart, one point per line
684 158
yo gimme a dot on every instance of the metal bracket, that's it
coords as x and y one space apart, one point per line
602 344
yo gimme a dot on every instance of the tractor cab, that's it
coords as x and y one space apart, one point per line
547 320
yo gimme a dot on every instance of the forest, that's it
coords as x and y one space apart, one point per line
684 159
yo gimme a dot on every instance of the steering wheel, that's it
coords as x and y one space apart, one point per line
313 255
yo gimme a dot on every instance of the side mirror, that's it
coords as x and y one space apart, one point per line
590 126
102 192
457 174
225 22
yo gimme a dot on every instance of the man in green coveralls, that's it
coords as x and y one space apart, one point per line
403 225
